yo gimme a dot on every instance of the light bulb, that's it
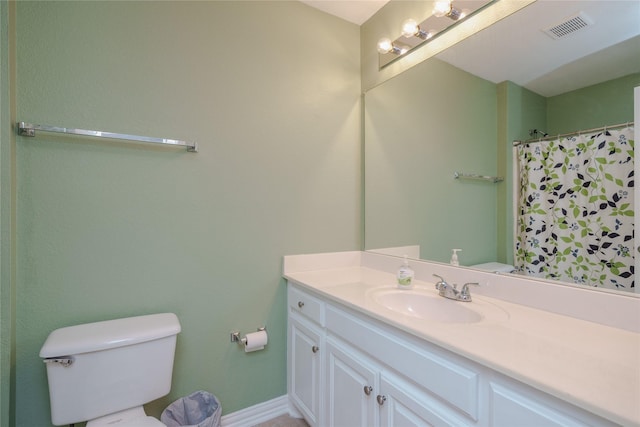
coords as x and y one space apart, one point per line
442 8
410 28
384 45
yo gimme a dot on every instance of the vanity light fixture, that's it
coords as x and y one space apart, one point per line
445 8
410 28
415 34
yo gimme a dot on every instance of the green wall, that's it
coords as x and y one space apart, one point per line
7 213
607 103
271 93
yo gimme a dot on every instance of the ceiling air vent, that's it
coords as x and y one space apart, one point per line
569 26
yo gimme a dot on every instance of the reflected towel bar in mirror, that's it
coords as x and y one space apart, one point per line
27 129
494 179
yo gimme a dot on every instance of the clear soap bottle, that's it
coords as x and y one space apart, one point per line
454 257
405 275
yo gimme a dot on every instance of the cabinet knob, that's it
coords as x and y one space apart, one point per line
381 399
300 304
368 389
315 348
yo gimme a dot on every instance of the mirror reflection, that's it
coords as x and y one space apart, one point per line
461 111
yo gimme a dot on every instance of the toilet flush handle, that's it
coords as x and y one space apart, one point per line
65 361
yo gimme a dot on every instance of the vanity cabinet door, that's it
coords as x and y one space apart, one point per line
403 404
305 361
351 388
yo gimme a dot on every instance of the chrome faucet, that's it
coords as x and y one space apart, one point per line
451 291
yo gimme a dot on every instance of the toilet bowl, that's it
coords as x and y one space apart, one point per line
104 372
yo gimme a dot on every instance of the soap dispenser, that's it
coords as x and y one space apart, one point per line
454 257
405 275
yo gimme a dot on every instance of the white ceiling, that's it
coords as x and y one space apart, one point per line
356 11
517 49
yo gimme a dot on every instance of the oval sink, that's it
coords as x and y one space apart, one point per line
427 305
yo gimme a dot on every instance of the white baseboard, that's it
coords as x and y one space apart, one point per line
257 414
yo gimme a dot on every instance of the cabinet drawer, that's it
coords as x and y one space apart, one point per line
514 404
308 306
451 381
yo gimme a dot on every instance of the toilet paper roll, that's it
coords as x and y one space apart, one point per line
255 341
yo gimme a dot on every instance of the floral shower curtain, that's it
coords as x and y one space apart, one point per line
575 219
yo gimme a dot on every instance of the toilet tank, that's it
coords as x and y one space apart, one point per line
96 369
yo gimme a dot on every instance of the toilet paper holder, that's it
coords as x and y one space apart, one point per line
235 336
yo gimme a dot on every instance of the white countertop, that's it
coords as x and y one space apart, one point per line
590 365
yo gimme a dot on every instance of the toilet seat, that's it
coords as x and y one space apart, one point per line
141 422
134 417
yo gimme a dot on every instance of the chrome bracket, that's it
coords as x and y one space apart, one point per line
26 129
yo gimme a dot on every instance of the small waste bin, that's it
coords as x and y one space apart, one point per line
199 409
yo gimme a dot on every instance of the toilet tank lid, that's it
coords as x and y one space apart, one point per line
109 334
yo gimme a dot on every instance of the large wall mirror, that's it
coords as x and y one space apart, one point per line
461 111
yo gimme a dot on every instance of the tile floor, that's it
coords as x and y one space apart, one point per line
284 421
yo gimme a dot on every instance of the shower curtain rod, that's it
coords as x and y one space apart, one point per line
550 137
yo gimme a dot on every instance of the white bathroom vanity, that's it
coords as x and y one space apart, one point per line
521 353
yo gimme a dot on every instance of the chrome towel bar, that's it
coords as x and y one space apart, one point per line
494 179
27 129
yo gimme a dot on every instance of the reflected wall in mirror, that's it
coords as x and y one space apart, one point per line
462 110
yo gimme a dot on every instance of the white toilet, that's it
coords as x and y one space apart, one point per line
495 267
104 372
